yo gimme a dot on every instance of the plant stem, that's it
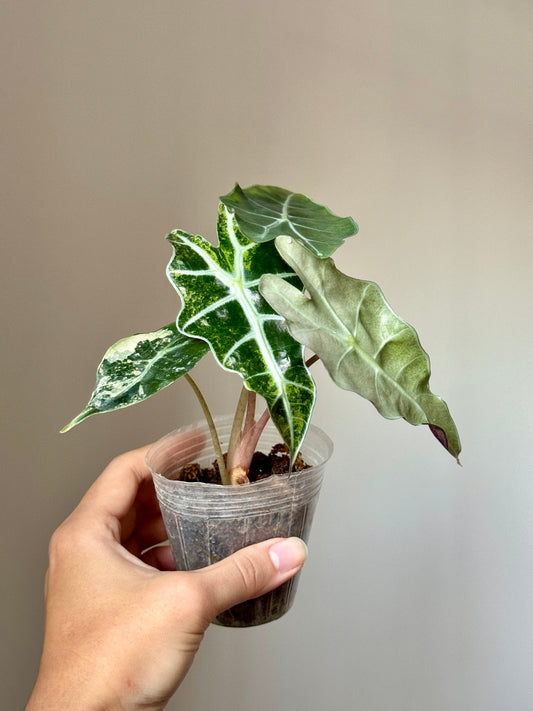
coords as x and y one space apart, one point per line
237 426
245 449
249 422
212 430
244 438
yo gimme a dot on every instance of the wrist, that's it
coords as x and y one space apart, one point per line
53 695
57 695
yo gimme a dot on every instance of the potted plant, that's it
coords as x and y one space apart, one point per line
268 291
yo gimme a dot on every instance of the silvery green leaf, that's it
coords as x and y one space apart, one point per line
139 366
222 305
263 212
363 344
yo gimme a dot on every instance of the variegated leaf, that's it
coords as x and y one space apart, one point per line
222 305
263 212
139 366
363 344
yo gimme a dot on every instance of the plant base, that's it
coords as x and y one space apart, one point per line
207 522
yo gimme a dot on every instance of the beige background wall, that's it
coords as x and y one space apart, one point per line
125 119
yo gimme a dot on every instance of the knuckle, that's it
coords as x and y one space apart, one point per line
119 461
58 549
59 542
65 541
248 571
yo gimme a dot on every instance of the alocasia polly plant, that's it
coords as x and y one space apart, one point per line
268 291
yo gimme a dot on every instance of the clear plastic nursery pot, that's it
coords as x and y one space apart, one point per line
207 522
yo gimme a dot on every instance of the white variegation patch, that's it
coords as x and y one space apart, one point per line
126 346
138 366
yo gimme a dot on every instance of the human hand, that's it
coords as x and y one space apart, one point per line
122 628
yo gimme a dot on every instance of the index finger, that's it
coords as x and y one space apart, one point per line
115 490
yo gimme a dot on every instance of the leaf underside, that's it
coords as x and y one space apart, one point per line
363 344
138 366
222 306
264 212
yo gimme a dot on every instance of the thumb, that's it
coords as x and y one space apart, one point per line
251 572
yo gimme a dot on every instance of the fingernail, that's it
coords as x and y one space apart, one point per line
288 554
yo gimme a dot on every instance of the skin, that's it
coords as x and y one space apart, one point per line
122 628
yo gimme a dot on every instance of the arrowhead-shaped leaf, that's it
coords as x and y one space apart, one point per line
222 305
263 212
363 344
139 366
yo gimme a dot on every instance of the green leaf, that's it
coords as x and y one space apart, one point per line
139 366
263 212
363 344
222 305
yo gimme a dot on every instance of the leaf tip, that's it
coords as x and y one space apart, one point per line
228 199
79 418
441 436
70 425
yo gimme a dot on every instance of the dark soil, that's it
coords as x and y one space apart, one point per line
262 466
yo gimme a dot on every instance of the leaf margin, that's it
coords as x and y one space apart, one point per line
271 287
251 200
